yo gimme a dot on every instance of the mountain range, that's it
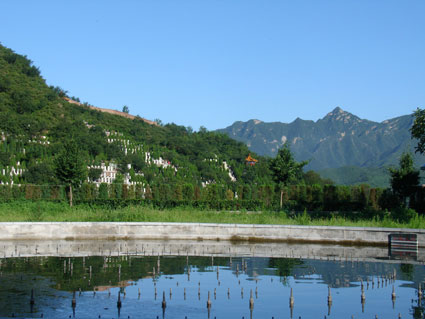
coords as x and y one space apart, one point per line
338 140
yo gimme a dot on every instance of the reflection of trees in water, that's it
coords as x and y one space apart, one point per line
418 310
49 274
407 270
105 270
71 274
284 266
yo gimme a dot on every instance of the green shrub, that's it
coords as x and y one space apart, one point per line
303 219
403 214
103 191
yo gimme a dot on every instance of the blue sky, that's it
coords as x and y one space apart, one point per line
211 63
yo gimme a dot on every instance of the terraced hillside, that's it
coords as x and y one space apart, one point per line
36 120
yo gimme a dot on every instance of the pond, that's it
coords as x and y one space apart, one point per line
169 280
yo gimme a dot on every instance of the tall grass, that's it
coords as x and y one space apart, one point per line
27 211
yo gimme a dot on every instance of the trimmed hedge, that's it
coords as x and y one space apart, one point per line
316 198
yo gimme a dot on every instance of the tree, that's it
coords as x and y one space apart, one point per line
285 169
59 91
405 179
137 162
203 129
94 174
125 109
4 158
70 167
39 174
418 130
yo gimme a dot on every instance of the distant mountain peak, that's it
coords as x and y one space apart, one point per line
297 120
338 114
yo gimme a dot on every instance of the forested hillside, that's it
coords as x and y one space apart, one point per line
35 120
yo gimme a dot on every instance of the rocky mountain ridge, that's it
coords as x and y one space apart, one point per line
339 139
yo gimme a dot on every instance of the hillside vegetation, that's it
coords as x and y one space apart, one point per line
352 175
162 166
35 120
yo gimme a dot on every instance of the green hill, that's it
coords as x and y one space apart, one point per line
352 175
35 120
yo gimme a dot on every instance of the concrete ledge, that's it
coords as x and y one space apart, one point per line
196 231
141 248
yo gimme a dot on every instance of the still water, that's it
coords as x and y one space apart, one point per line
141 282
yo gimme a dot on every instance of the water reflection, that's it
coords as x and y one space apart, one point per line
140 286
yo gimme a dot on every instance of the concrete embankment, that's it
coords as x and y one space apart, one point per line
195 231
208 248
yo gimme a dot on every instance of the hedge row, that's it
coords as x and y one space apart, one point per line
295 198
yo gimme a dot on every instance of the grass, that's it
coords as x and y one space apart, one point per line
26 211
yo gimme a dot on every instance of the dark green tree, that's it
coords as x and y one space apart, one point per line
4 158
59 91
404 179
40 174
70 166
188 192
103 191
137 162
285 169
94 174
125 109
418 130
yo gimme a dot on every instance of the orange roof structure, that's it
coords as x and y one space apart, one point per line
250 160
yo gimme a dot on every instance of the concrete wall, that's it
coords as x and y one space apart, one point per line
208 248
193 231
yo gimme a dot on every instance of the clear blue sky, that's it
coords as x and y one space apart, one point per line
210 63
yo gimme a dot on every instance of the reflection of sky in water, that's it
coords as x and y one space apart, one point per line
309 280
